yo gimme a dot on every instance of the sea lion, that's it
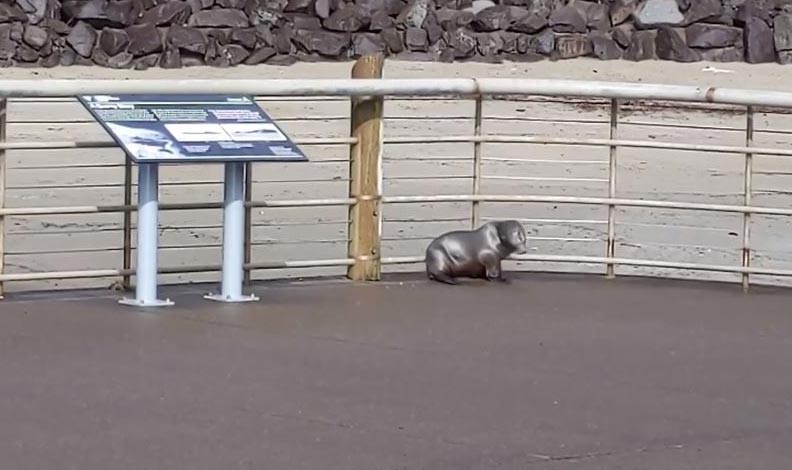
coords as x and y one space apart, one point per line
474 253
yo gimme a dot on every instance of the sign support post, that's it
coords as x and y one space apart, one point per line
233 236
147 235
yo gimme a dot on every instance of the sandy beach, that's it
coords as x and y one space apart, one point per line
90 177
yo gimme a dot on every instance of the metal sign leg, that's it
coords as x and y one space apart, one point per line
147 234
233 236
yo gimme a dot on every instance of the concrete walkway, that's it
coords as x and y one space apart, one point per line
551 372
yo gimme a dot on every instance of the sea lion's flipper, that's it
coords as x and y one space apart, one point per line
492 266
442 277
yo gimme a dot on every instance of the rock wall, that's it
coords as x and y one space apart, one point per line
222 33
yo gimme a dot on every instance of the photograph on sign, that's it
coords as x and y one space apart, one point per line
249 132
198 132
146 143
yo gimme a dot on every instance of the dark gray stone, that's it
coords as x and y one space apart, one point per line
761 9
544 42
463 42
56 26
219 18
414 14
621 10
35 36
531 23
146 62
187 39
703 10
122 13
759 42
260 55
113 41
433 29
265 35
380 20
709 36
568 20
622 34
283 40
238 4
416 39
26 53
569 46
452 19
172 12
246 37
489 44
234 53
670 45
171 58
348 19
785 57
324 43
642 46
604 47
725 54
82 38
87 10
598 18
494 19
393 39
68 56
386 7
367 44
10 13
52 60
144 39
36 10
782 32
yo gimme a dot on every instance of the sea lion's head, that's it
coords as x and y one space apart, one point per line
512 235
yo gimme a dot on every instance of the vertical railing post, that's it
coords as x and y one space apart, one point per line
126 280
3 169
364 159
476 216
248 221
612 166
747 186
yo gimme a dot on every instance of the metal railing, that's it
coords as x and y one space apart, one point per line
365 198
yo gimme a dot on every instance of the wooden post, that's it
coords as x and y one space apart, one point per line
364 162
3 168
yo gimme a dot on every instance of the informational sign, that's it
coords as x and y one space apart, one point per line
191 128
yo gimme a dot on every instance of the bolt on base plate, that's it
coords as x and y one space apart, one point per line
231 299
143 303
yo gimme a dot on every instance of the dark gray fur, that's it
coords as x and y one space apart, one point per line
474 253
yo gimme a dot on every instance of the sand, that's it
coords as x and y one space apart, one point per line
78 177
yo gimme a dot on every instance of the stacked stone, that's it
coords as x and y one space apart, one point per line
222 33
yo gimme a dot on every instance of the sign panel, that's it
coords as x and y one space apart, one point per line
191 128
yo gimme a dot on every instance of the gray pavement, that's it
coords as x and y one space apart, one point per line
550 372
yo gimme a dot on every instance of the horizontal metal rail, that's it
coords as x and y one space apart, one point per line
620 261
413 200
401 87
